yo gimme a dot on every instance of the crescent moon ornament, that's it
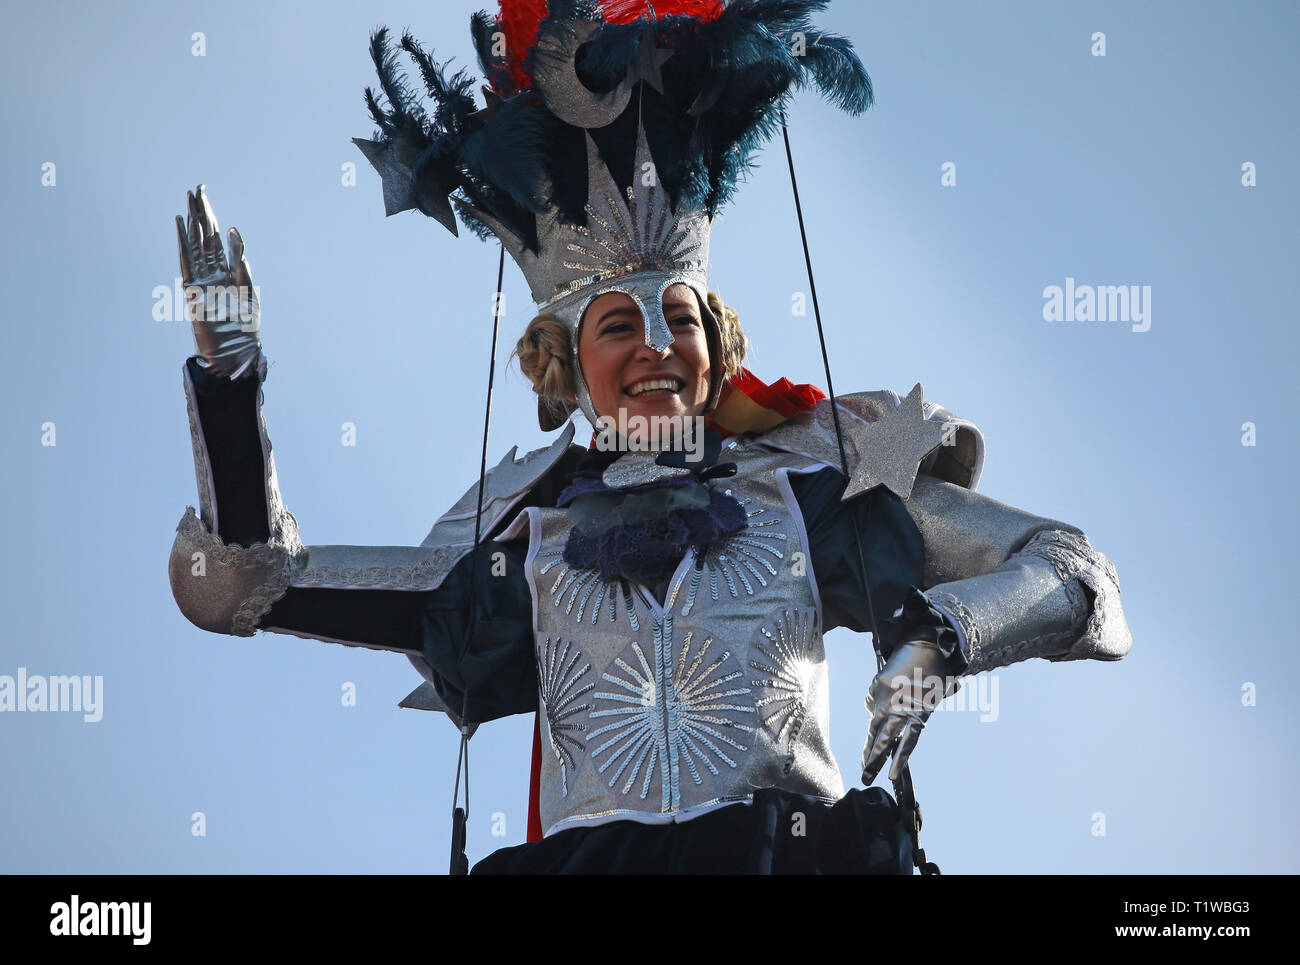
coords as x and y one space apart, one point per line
555 76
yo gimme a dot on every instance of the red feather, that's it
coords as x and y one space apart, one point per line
518 21
625 11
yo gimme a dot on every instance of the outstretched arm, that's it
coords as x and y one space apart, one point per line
412 600
227 570
238 565
242 556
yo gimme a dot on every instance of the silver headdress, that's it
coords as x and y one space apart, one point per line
636 244
595 71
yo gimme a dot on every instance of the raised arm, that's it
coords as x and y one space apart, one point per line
412 600
226 572
242 554
238 565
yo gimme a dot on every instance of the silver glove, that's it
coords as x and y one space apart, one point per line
913 681
220 300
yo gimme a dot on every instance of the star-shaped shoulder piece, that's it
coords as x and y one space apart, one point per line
889 451
887 441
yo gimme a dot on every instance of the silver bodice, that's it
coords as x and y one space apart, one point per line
660 710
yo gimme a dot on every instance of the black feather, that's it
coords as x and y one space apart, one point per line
483 29
724 91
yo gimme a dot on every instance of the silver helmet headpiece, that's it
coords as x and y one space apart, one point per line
729 67
634 243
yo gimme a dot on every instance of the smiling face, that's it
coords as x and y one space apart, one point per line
622 372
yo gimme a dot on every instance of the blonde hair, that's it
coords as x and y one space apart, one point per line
735 343
543 354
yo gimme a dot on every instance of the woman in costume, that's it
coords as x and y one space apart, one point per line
661 612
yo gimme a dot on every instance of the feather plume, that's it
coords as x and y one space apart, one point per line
625 11
733 68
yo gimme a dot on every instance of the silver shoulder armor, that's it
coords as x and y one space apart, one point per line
228 588
887 440
504 487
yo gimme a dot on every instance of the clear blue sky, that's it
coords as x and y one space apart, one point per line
1123 169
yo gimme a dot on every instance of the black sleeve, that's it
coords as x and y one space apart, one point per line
892 549
229 418
381 618
497 666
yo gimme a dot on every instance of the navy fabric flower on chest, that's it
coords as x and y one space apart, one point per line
642 533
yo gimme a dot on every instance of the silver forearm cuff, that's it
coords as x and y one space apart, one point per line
377 567
1056 598
228 588
1106 635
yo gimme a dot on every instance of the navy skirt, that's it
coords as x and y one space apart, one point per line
861 833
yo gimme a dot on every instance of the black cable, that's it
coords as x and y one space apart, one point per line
459 861
830 387
906 796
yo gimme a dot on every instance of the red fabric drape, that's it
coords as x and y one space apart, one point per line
534 782
783 396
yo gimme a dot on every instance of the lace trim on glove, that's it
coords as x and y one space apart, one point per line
284 549
1085 571
1091 585
982 658
1072 555
991 659
1096 630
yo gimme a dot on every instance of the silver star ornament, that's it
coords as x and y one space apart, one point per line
889 451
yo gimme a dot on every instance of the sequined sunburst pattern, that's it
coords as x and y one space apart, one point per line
723 688
580 591
642 234
787 653
694 719
623 247
741 562
560 672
